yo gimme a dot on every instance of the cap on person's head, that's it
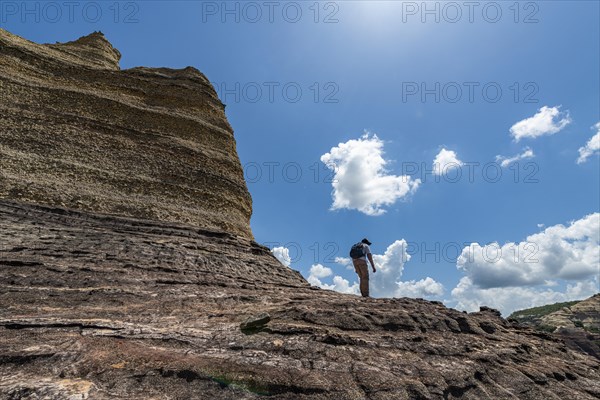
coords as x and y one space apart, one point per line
366 241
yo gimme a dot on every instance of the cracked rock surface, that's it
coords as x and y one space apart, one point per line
104 307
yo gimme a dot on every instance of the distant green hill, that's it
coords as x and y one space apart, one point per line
576 322
584 314
532 316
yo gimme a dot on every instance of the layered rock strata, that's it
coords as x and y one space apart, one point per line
78 132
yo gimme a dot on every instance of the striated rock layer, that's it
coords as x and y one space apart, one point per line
98 306
78 132
102 307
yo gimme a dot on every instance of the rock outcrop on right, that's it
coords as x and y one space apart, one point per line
128 269
577 322
585 314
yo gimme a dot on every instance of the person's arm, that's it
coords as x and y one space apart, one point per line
370 257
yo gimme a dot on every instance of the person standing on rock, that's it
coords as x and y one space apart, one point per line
359 253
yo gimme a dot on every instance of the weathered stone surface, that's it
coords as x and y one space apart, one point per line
105 307
78 132
97 306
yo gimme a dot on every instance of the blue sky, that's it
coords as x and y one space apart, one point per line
382 89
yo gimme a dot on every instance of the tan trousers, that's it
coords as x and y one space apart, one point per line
361 268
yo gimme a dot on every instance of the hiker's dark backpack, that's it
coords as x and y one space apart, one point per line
357 251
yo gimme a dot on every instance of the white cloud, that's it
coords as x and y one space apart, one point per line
445 161
361 181
558 252
313 280
547 121
320 271
345 261
283 255
420 289
317 272
506 161
468 297
386 282
343 286
509 277
592 146
390 266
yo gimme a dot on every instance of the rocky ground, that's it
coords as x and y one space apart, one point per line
103 307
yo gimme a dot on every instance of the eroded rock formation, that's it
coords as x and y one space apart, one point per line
147 303
78 132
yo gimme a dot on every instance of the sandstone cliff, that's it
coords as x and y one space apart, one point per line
78 132
127 264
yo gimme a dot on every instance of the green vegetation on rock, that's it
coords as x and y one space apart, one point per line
531 316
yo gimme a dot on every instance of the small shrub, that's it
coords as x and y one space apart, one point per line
546 328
